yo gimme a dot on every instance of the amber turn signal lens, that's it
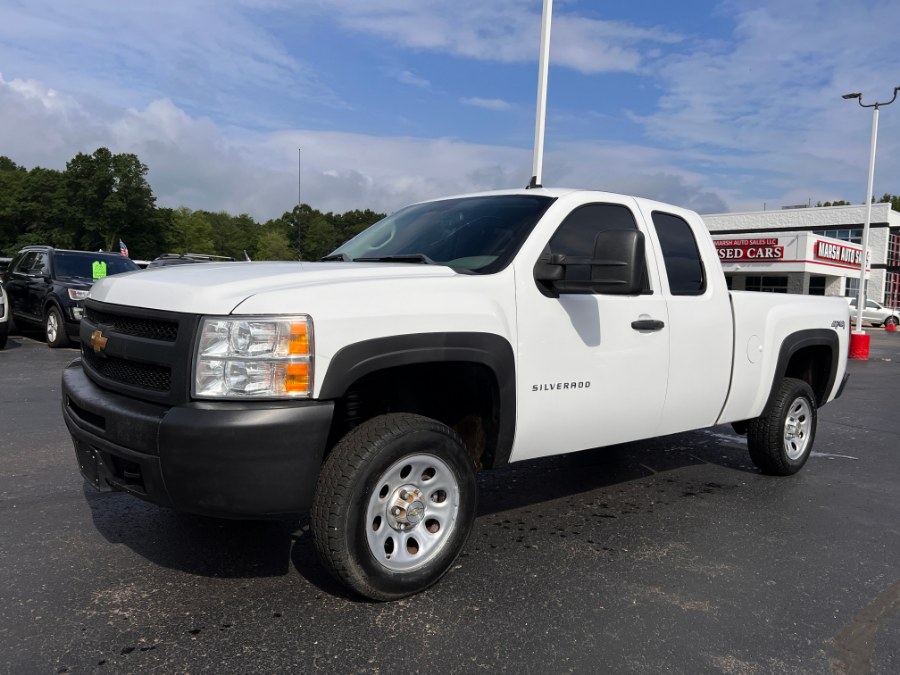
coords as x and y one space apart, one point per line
296 378
299 343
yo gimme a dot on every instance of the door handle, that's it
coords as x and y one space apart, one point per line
648 324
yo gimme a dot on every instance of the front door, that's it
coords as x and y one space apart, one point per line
586 377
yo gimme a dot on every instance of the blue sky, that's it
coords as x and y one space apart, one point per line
716 106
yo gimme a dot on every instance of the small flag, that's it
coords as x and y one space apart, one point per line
123 249
247 257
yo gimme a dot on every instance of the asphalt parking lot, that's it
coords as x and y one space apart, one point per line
673 555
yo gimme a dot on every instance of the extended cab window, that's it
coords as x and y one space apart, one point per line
576 234
684 267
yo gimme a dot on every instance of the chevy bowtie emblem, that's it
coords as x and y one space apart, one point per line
98 341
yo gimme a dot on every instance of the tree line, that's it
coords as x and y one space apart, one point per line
102 198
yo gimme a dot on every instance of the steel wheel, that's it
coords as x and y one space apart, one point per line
891 321
797 426
394 505
412 512
781 438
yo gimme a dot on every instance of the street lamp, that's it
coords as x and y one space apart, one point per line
859 341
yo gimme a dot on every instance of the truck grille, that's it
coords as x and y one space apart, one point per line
127 325
142 353
144 375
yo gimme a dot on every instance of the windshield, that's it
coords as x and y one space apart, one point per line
477 234
90 266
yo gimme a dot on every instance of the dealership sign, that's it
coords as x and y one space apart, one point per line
826 250
749 249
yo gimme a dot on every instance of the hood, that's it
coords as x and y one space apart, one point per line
217 288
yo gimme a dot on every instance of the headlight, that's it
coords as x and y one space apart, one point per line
254 357
77 295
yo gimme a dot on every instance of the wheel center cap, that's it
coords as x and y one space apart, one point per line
407 508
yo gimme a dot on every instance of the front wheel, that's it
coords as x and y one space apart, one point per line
55 329
394 505
891 321
781 439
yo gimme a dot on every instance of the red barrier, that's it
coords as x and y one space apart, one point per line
890 327
859 346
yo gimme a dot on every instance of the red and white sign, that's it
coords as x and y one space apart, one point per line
827 250
749 249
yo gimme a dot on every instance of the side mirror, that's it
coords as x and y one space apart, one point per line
619 262
617 267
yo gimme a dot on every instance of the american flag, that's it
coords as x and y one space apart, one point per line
123 249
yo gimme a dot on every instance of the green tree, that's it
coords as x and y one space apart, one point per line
111 199
273 245
893 200
189 232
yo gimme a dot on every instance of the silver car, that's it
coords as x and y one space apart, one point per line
875 313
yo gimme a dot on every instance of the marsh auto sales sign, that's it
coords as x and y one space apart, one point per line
826 250
749 249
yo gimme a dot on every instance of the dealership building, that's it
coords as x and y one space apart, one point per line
810 250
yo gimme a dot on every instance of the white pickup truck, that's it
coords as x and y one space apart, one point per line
453 336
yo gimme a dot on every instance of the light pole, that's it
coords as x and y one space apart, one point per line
859 341
299 244
541 113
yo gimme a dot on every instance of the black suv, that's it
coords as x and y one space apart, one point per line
47 287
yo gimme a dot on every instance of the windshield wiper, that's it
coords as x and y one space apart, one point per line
400 257
341 257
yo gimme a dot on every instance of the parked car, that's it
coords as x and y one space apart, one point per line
46 287
186 258
875 313
4 317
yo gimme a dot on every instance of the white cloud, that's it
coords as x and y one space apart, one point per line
767 103
194 162
408 77
507 31
487 103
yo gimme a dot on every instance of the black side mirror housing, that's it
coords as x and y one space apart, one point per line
617 267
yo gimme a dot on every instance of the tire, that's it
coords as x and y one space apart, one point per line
55 329
891 321
363 536
781 439
4 331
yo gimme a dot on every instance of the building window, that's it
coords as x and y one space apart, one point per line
767 284
817 285
892 291
854 236
851 288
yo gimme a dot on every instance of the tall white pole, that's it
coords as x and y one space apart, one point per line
541 95
861 291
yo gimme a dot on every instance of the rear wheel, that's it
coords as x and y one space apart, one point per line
394 505
55 328
891 321
781 439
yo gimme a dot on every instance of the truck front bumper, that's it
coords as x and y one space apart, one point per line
249 459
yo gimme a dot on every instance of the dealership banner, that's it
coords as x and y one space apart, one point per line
827 250
749 249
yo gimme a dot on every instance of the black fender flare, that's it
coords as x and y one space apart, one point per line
794 342
359 359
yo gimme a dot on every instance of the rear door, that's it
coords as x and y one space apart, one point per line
700 328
